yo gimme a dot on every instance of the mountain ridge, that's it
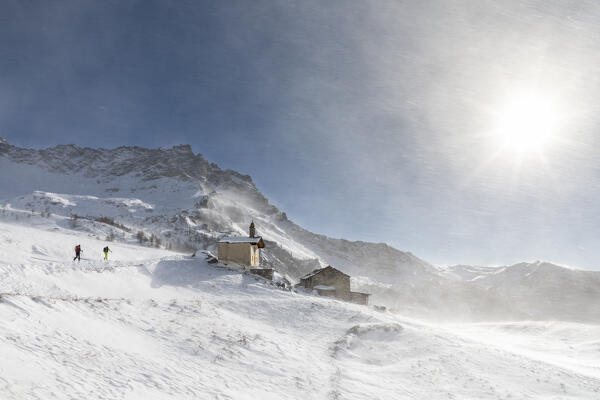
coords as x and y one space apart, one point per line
182 199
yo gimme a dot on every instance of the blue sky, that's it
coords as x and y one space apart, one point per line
368 120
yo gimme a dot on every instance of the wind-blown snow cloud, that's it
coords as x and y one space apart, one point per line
367 120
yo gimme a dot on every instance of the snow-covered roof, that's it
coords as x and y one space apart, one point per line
319 270
242 239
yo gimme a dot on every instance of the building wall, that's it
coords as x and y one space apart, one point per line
326 293
359 298
254 256
241 253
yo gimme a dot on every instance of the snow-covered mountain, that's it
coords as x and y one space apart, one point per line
179 196
181 201
539 289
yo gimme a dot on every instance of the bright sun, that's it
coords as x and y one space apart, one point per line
527 122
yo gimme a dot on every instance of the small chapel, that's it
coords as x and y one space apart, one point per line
241 250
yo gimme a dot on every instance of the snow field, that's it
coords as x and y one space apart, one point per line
152 324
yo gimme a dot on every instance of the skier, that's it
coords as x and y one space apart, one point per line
106 250
78 253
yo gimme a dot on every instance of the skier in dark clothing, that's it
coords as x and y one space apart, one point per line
78 253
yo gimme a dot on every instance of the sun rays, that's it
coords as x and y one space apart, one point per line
528 122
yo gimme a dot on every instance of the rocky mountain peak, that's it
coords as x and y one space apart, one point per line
178 162
183 149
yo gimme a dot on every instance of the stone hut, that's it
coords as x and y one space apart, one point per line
241 250
332 282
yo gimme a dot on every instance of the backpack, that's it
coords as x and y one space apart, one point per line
77 249
106 249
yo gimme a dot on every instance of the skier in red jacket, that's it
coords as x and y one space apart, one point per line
78 253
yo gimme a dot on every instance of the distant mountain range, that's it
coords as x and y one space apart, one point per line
184 202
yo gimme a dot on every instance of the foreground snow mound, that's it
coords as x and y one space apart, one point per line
358 342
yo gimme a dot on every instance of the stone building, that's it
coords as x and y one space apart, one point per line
332 282
241 250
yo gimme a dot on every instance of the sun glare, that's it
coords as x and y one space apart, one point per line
527 122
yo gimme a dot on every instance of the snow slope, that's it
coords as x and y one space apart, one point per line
188 203
152 324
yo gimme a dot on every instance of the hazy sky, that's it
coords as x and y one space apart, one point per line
371 120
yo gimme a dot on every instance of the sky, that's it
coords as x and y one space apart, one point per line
465 132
